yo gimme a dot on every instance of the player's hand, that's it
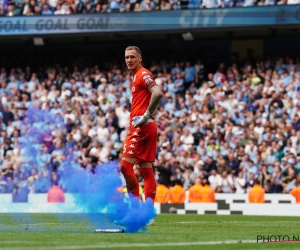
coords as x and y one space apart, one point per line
138 120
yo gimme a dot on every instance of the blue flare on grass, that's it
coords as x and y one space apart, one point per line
98 193
95 192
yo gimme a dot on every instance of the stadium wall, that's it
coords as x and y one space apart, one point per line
154 21
227 204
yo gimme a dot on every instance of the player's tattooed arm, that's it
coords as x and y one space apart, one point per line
155 97
154 102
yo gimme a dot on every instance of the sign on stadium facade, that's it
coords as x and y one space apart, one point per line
151 21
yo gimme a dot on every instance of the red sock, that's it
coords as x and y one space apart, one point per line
130 178
149 183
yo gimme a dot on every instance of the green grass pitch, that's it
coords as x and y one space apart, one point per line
170 231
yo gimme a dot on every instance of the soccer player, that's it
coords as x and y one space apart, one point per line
140 144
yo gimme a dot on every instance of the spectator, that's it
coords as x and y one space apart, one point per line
277 181
233 164
22 185
178 174
41 184
296 192
221 166
137 7
250 179
215 181
293 184
124 6
248 3
114 6
7 115
147 5
209 4
227 3
288 179
187 139
189 75
195 191
256 194
162 194
207 193
165 173
165 5
6 184
56 195
46 10
98 8
179 84
227 184
177 193
239 183
264 178
11 10
189 177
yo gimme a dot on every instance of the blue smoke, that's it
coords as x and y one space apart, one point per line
95 192
99 193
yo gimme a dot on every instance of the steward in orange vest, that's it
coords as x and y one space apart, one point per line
162 194
207 192
177 193
256 194
56 194
195 191
296 193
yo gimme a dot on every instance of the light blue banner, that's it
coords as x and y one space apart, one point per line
151 21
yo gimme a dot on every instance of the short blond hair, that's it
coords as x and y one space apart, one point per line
137 49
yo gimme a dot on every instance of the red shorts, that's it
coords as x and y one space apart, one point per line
141 143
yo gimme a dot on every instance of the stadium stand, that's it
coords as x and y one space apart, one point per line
231 126
66 7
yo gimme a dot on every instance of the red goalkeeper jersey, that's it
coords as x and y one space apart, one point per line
140 94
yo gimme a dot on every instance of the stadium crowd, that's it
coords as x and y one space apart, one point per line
231 127
65 7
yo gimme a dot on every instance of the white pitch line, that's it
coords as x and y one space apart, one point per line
197 243
189 222
17 242
43 223
205 222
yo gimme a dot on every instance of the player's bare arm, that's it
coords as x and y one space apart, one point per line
155 97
